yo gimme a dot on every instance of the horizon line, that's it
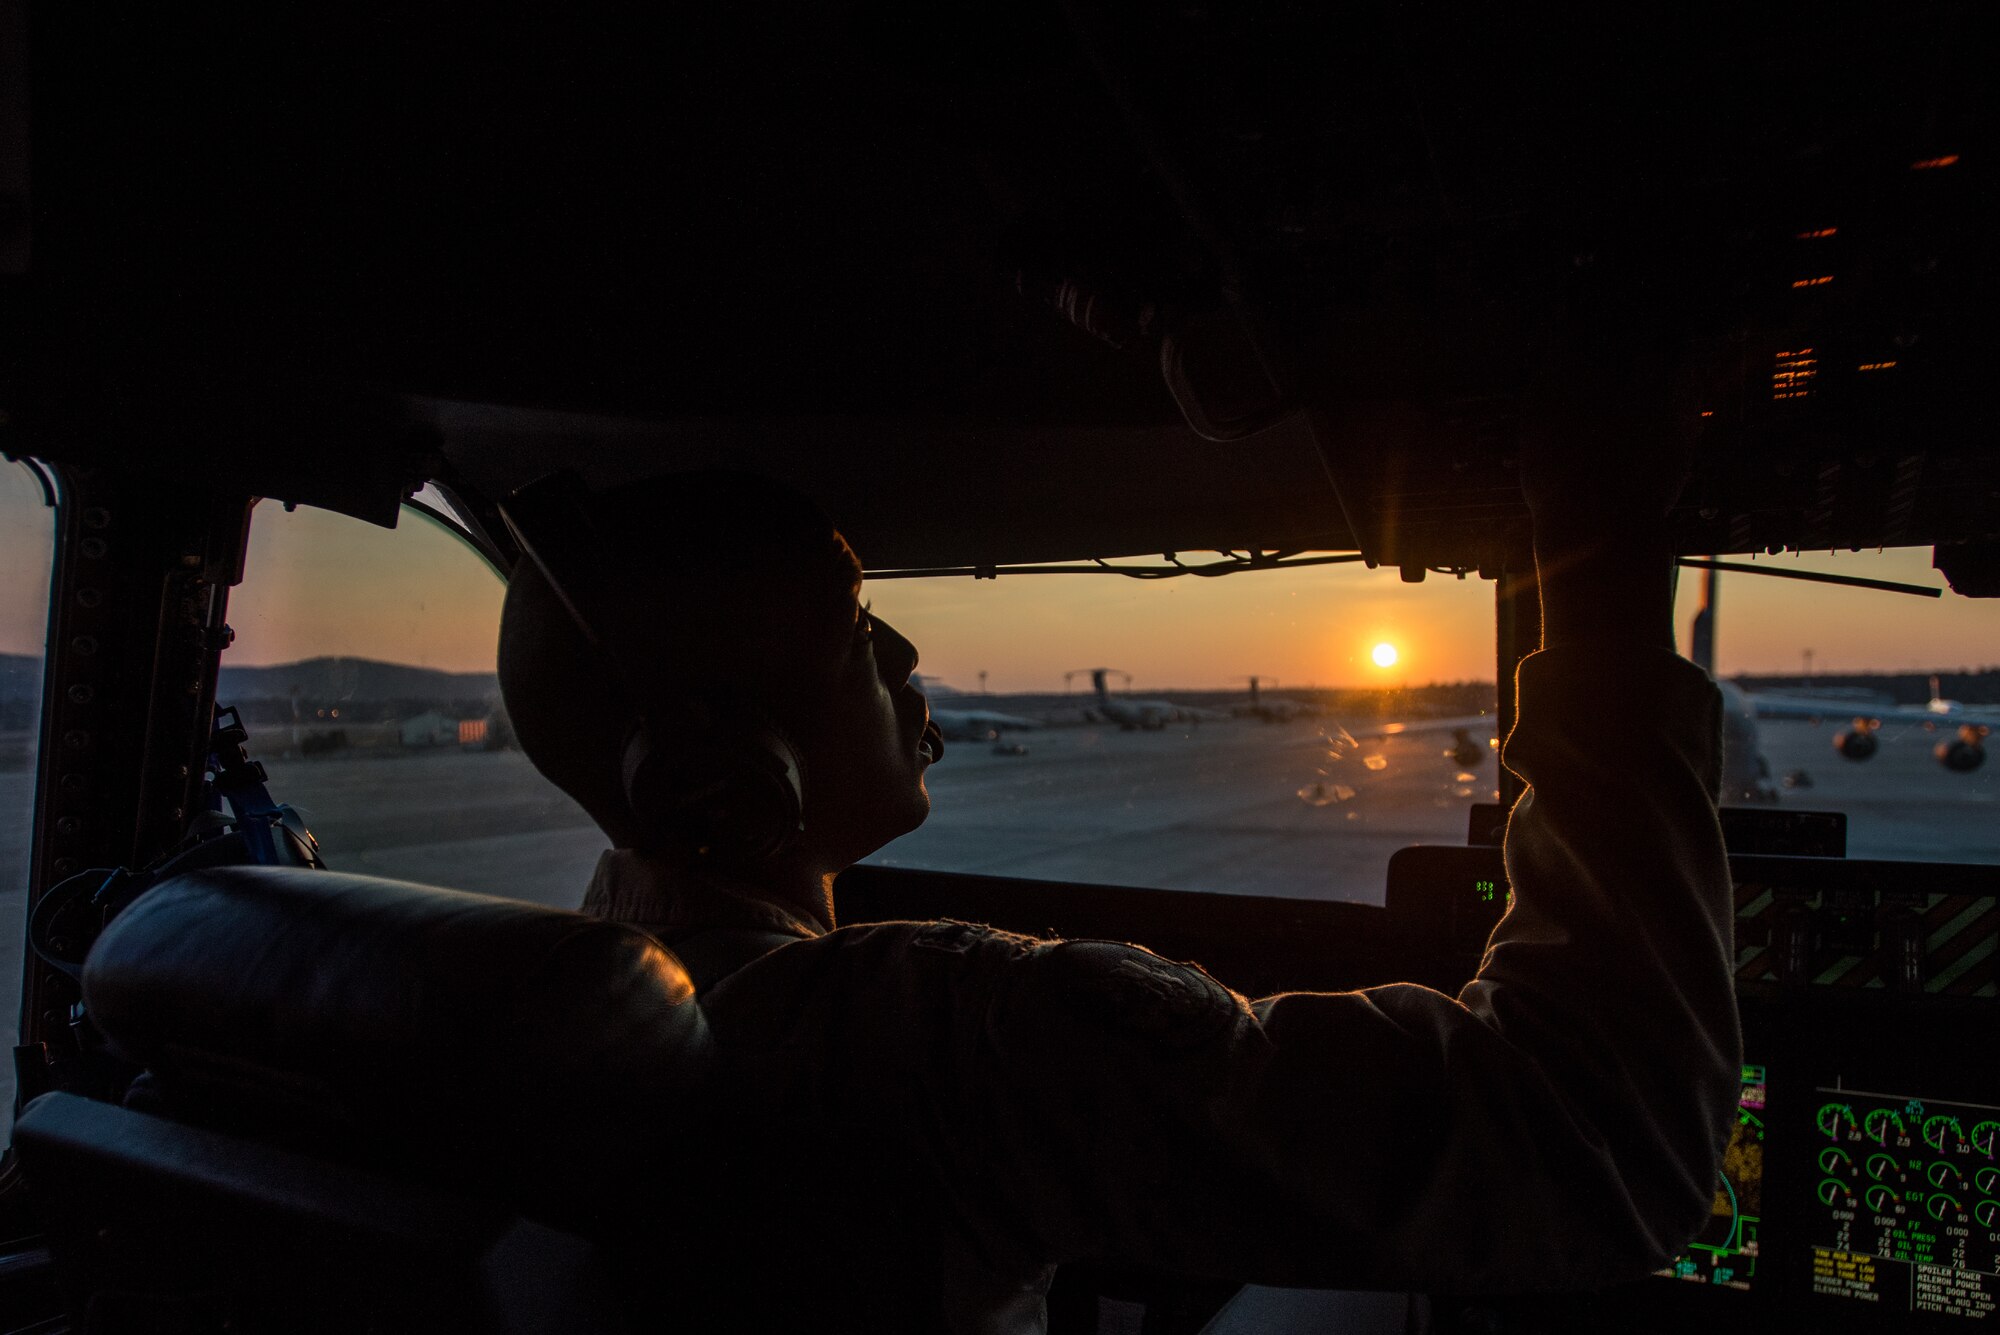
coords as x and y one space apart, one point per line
1961 670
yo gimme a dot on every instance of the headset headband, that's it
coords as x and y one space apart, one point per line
551 522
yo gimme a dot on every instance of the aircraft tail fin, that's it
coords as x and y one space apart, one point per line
1937 696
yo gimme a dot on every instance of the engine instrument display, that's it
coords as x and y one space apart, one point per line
1907 1210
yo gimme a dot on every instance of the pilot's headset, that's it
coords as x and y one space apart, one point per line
724 784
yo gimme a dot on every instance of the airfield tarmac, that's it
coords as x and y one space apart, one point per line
1213 807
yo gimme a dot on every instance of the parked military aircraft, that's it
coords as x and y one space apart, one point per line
1962 751
1130 714
1745 771
1271 709
969 725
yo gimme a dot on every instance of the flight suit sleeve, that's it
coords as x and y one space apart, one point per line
1556 1125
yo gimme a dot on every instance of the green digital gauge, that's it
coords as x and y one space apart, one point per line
1942 1131
1878 1124
1835 1119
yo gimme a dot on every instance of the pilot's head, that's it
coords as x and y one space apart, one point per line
733 600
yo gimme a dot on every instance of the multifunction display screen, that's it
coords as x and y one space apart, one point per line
1908 1203
1725 1251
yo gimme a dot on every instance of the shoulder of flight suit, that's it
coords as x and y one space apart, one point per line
1025 990
1126 988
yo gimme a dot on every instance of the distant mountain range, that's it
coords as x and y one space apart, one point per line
359 679
315 681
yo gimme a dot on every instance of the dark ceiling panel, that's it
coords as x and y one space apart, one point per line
917 494
923 259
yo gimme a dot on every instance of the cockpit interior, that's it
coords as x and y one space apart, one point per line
1199 294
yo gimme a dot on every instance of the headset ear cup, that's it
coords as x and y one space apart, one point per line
769 788
735 797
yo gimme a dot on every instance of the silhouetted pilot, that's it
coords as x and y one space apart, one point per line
912 1123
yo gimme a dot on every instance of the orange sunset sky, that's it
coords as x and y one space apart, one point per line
320 583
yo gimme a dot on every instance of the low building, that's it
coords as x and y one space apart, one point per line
429 728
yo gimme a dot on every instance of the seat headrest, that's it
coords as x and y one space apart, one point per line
441 1018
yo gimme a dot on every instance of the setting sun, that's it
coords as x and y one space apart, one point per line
1384 655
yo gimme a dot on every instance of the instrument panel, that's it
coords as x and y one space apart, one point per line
1860 1189
1908 1197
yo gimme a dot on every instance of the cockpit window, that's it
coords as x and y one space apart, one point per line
1878 705
1107 731
363 667
27 546
1272 732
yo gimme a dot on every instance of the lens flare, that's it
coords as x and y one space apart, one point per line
1384 655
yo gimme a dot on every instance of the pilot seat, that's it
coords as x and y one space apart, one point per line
367 1105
